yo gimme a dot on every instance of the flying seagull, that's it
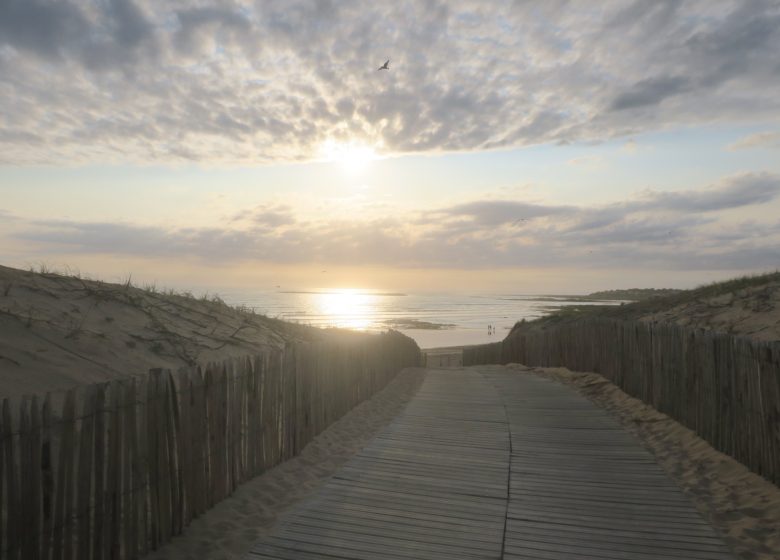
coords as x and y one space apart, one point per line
385 66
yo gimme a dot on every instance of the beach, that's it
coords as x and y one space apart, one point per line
431 319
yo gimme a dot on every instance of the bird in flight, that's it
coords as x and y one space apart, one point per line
385 66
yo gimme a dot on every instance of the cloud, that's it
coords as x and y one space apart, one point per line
43 27
649 92
498 212
249 83
684 229
758 140
731 193
267 216
735 192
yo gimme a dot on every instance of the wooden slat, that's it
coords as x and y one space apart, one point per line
47 476
36 481
98 502
11 484
184 430
200 442
580 485
62 534
172 474
152 457
26 505
132 480
84 487
112 528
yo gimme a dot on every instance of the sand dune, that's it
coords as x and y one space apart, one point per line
747 306
58 331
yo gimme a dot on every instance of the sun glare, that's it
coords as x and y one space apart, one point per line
352 156
348 309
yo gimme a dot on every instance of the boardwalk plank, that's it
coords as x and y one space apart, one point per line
488 463
581 487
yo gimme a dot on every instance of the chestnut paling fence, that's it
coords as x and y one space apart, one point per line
725 388
114 470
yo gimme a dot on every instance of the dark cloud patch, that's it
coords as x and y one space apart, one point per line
748 30
655 230
44 27
130 24
672 211
649 92
742 190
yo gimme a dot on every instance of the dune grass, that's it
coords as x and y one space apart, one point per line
656 304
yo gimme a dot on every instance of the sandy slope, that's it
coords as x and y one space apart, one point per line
59 331
748 307
752 311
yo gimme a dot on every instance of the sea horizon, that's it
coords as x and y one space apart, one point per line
432 320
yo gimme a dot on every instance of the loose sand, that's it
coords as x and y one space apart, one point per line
742 506
229 530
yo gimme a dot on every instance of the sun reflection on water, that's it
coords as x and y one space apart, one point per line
347 308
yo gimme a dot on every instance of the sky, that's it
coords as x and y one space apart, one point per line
511 147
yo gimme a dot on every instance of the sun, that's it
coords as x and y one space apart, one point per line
351 156
348 308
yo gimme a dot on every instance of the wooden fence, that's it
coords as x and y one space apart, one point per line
113 470
725 388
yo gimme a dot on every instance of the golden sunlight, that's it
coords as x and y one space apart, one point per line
350 309
352 156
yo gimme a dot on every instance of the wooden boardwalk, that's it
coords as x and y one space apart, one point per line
485 463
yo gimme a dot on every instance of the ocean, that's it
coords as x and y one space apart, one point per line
431 320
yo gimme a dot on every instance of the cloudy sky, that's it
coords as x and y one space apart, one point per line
512 146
